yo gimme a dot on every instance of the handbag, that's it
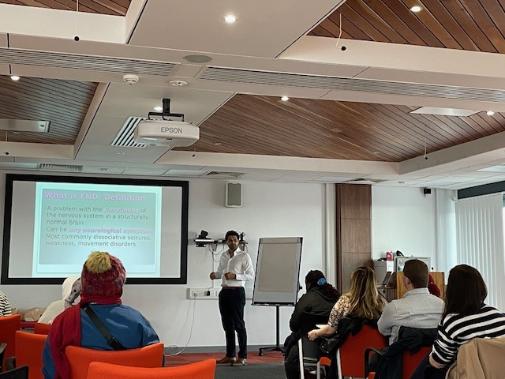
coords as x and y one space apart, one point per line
329 345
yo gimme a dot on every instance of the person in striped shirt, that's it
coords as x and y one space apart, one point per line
465 317
5 306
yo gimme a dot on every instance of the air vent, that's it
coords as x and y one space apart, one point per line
351 84
85 62
60 167
125 136
224 174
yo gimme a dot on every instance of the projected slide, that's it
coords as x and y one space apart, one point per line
53 223
71 219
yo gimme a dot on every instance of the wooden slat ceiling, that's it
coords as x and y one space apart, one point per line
340 130
63 102
112 7
477 25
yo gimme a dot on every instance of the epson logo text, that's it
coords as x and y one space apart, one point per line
165 129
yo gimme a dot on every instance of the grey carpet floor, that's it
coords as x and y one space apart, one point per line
262 371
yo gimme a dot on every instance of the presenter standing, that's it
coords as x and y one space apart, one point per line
235 268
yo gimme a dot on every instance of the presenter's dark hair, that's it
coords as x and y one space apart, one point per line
465 292
417 272
231 233
311 280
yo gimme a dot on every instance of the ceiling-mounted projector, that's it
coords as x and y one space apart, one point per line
166 133
160 129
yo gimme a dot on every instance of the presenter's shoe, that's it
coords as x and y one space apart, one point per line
226 361
241 362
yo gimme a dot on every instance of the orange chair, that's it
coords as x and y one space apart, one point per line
80 358
40 328
351 355
8 327
412 360
199 370
29 349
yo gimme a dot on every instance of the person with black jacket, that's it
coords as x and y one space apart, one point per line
312 308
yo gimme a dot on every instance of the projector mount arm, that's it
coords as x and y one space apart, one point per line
165 113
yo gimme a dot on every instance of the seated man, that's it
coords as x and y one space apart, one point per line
416 309
5 305
102 281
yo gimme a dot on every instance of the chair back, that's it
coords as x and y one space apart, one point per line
198 370
16 373
351 355
80 358
412 360
29 348
8 327
41 328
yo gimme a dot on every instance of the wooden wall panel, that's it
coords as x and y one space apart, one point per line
354 247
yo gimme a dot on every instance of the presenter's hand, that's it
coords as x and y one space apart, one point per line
313 335
212 275
230 276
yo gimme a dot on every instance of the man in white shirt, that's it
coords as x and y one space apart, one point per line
417 308
235 268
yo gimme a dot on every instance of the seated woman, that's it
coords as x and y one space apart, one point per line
361 302
102 280
312 308
465 317
70 290
5 305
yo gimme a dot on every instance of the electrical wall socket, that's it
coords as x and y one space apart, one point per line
203 293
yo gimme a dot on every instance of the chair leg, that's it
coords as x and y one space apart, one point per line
339 366
300 355
318 370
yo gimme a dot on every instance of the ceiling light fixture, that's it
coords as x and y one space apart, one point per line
490 113
15 78
230 18
158 108
416 8
284 98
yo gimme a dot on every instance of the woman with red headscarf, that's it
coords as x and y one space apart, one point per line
102 280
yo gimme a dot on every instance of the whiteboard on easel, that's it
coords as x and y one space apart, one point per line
277 271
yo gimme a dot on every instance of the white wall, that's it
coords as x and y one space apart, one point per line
403 219
270 210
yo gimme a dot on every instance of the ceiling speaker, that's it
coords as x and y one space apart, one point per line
233 198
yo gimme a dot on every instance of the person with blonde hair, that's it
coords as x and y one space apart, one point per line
102 280
362 301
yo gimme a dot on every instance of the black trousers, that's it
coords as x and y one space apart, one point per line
426 371
231 307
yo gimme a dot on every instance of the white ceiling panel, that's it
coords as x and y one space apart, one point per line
122 101
263 28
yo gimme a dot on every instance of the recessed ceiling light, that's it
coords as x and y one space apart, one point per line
284 98
158 108
416 8
230 18
490 113
15 78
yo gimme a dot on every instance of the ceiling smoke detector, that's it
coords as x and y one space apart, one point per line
178 83
130 79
